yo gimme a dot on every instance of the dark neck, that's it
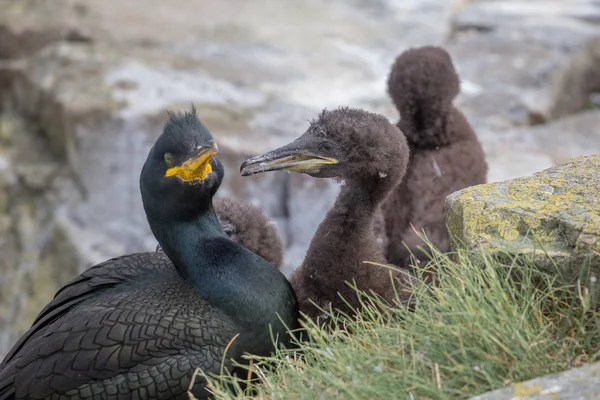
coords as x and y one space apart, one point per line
354 207
347 228
226 274
183 241
427 127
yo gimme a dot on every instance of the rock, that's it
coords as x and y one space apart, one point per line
561 139
504 163
576 383
6 129
29 25
36 176
492 15
576 85
552 217
37 258
522 69
524 151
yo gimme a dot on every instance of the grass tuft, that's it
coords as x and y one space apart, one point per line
485 325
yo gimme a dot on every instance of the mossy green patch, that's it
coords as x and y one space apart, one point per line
557 210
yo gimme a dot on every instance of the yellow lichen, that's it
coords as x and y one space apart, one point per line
522 390
531 221
508 227
557 210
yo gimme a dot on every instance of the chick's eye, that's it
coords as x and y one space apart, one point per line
169 159
326 146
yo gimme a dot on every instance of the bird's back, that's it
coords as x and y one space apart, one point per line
127 328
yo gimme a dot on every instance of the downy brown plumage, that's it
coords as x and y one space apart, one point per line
445 154
369 155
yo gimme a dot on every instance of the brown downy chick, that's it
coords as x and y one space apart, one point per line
247 225
445 155
369 155
379 229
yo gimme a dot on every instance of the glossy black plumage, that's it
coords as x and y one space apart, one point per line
81 337
137 326
247 225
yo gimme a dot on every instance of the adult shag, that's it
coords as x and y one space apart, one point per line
137 326
370 155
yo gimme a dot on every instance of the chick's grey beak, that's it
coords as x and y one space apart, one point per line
291 157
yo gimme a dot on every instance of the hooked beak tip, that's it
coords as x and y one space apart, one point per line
211 147
242 167
245 168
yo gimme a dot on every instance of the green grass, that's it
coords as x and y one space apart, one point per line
482 327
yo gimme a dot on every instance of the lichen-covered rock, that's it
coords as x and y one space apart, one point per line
576 383
552 216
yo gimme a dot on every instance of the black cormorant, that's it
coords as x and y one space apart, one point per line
137 326
369 154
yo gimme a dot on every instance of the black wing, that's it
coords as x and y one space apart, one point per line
127 328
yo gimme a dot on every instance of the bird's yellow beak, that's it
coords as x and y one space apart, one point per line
196 167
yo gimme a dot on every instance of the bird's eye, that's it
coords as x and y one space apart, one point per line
326 146
169 159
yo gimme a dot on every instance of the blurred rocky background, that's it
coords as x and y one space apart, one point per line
84 85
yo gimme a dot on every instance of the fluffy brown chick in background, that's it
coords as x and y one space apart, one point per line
445 154
248 225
